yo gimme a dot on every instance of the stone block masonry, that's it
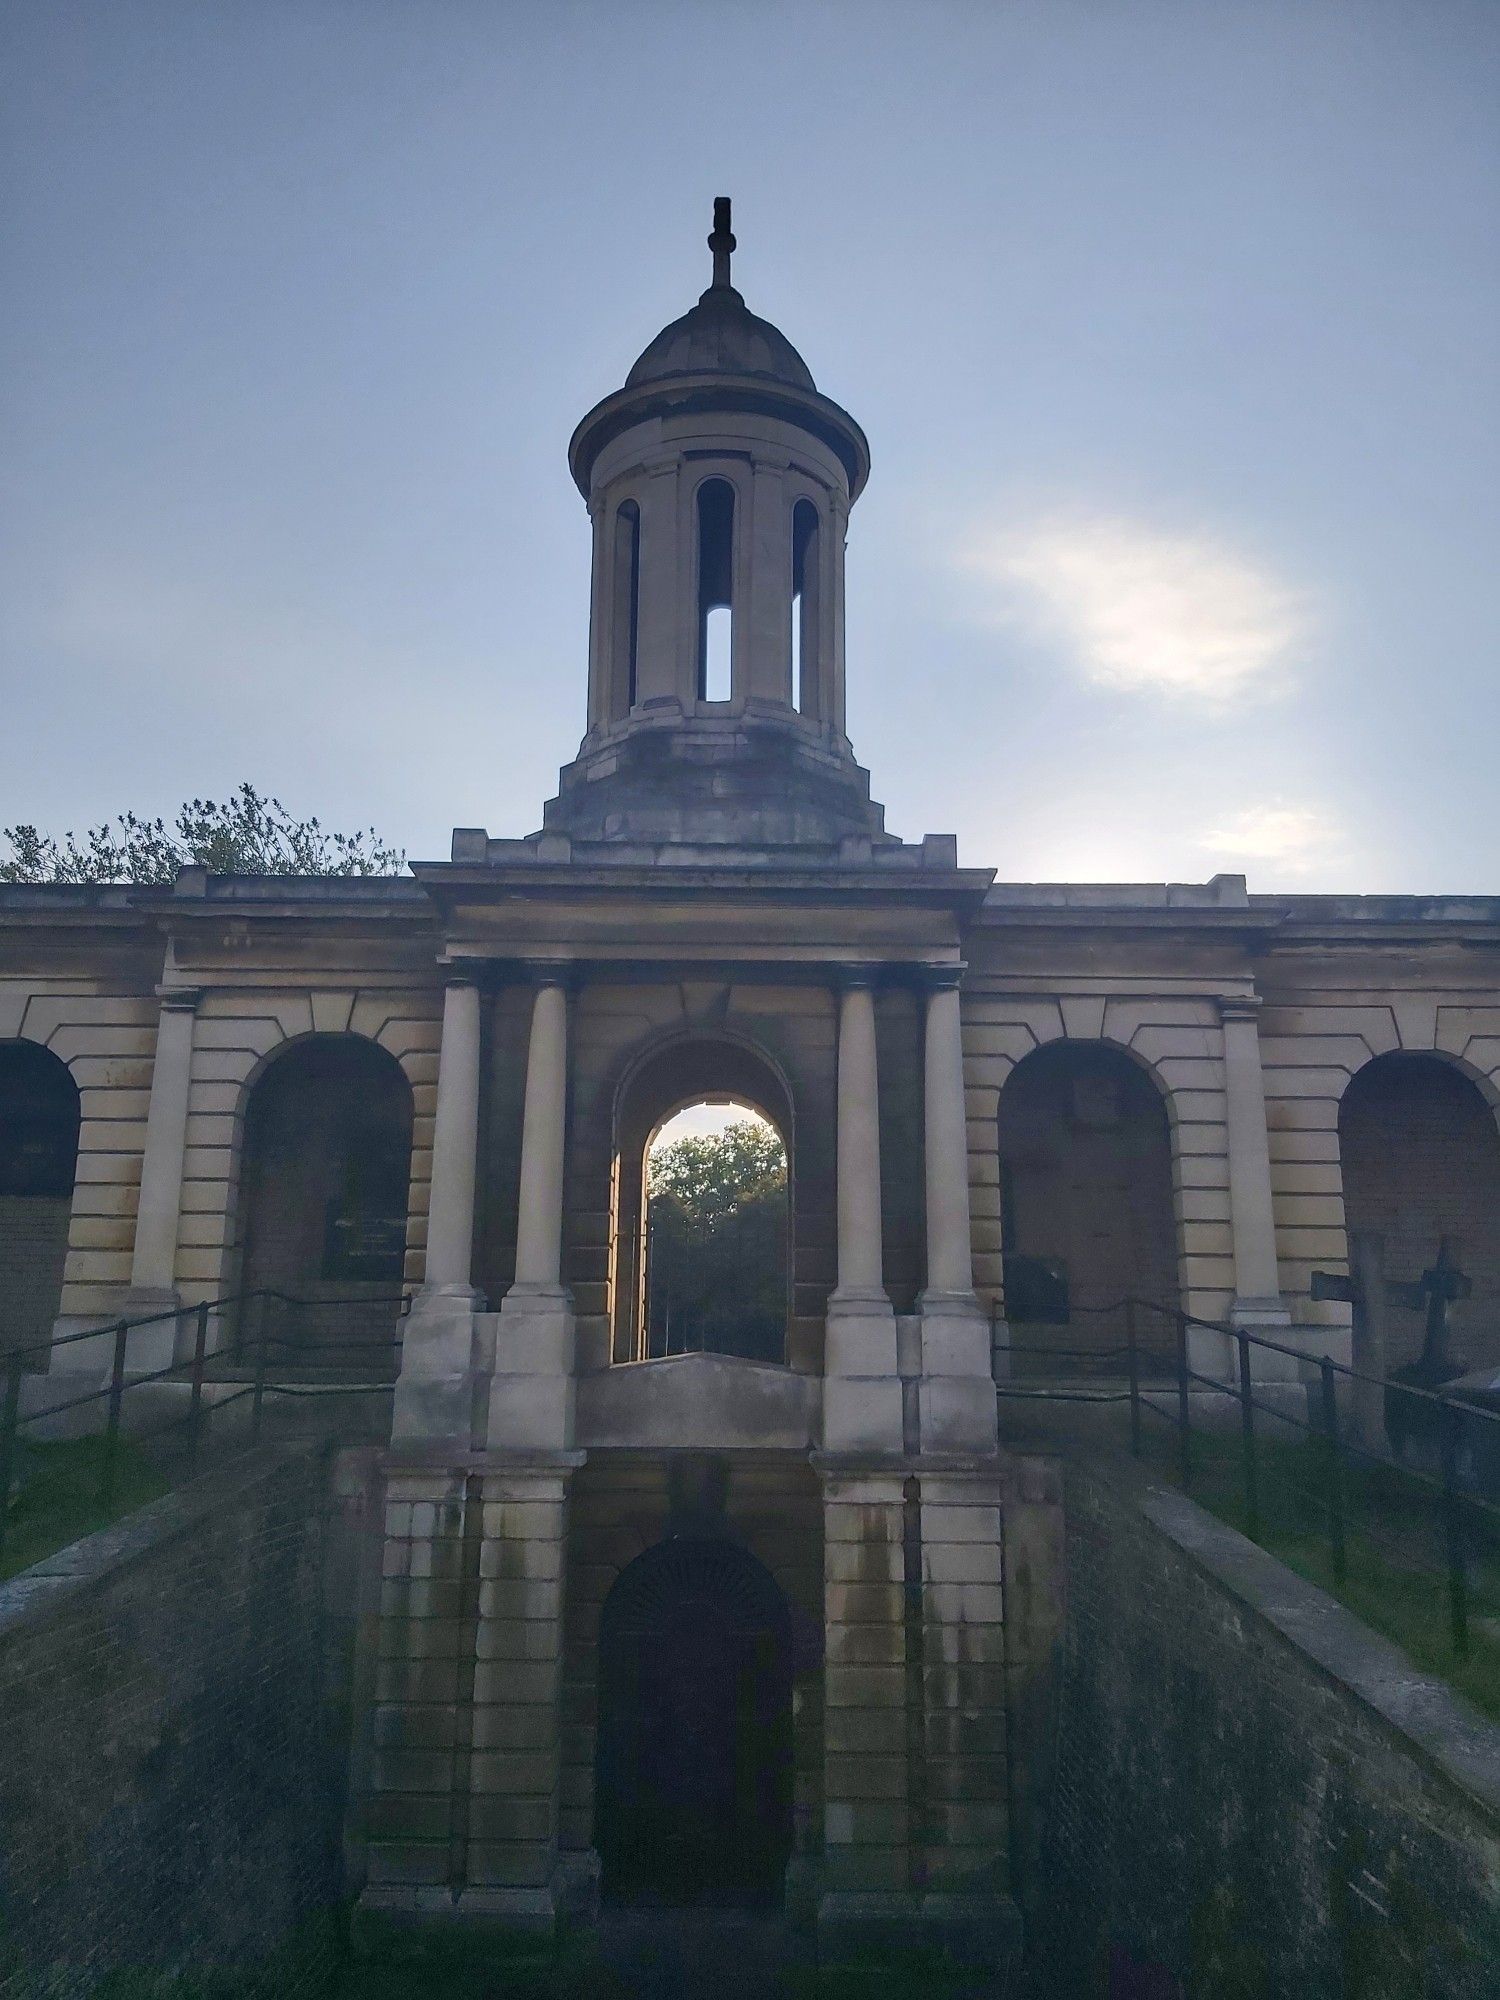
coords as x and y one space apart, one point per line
168 1772
1254 1795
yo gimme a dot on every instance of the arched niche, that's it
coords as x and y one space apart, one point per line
1420 1153
324 1186
694 1774
39 1117
677 1074
1087 1215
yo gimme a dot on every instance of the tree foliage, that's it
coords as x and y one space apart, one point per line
717 1243
247 835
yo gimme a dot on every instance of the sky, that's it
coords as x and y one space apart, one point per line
1172 323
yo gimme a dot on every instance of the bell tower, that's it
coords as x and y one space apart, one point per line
719 482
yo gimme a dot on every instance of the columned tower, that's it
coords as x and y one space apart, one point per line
719 483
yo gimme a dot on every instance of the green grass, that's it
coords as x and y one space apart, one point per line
1396 1577
57 1497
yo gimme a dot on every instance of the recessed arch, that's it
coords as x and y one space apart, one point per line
325 1169
39 1123
714 510
678 1072
1087 1211
1419 1149
693 1784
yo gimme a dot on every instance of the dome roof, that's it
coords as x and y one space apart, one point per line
721 336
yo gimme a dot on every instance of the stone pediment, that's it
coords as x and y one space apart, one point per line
702 1401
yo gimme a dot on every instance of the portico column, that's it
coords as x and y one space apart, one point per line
862 1384
532 1392
455 1143
435 1393
1257 1291
543 1132
956 1406
153 1263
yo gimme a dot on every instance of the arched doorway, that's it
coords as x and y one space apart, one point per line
701 1258
38 1161
693 1785
1420 1150
327 1162
1087 1217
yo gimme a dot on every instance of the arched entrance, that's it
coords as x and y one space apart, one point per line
38 1160
693 1785
1421 1163
1087 1217
327 1161
725 1255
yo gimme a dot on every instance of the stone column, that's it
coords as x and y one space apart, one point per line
434 1396
862 1384
1258 1305
531 1396
957 1405
153 1263
770 581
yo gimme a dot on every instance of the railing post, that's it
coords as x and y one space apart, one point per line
1184 1412
8 1423
1133 1357
195 1406
258 1399
108 1479
1335 1469
1247 1438
1453 1527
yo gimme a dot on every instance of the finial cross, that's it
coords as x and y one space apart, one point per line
722 240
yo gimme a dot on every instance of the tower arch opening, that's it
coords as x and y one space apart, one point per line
715 504
39 1120
626 609
1087 1214
806 609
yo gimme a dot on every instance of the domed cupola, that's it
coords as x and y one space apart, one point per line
719 482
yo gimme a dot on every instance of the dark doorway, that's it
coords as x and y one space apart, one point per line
38 1159
694 1777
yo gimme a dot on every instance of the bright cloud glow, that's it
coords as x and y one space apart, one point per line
1291 839
1150 612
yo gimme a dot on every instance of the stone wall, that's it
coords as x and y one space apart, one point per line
169 1782
1254 1795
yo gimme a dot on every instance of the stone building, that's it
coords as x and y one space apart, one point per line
719 1625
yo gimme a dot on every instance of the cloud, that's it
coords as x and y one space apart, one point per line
1293 839
1148 612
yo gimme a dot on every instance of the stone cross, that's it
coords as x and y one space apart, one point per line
722 240
1439 1286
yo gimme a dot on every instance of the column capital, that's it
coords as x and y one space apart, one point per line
941 978
857 977
550 972
461 972
179 999
1238 1006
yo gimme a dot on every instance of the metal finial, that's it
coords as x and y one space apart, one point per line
722 240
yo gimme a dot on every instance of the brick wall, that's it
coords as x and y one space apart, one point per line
168 1778
1254 1795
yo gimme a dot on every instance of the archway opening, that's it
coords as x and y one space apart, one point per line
1087 1217
715 1249
1421 1165
701 1257
694 1770
327 1162
38 1162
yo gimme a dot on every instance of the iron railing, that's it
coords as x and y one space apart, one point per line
257 1358
1452 1498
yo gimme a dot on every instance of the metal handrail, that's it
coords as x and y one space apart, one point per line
191 1370
1456 1507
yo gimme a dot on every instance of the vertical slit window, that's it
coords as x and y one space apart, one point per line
805 610
715 589
625 625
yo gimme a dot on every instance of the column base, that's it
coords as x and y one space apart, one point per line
861 1373
435 1391
532 1391
1269 1318
957 1408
